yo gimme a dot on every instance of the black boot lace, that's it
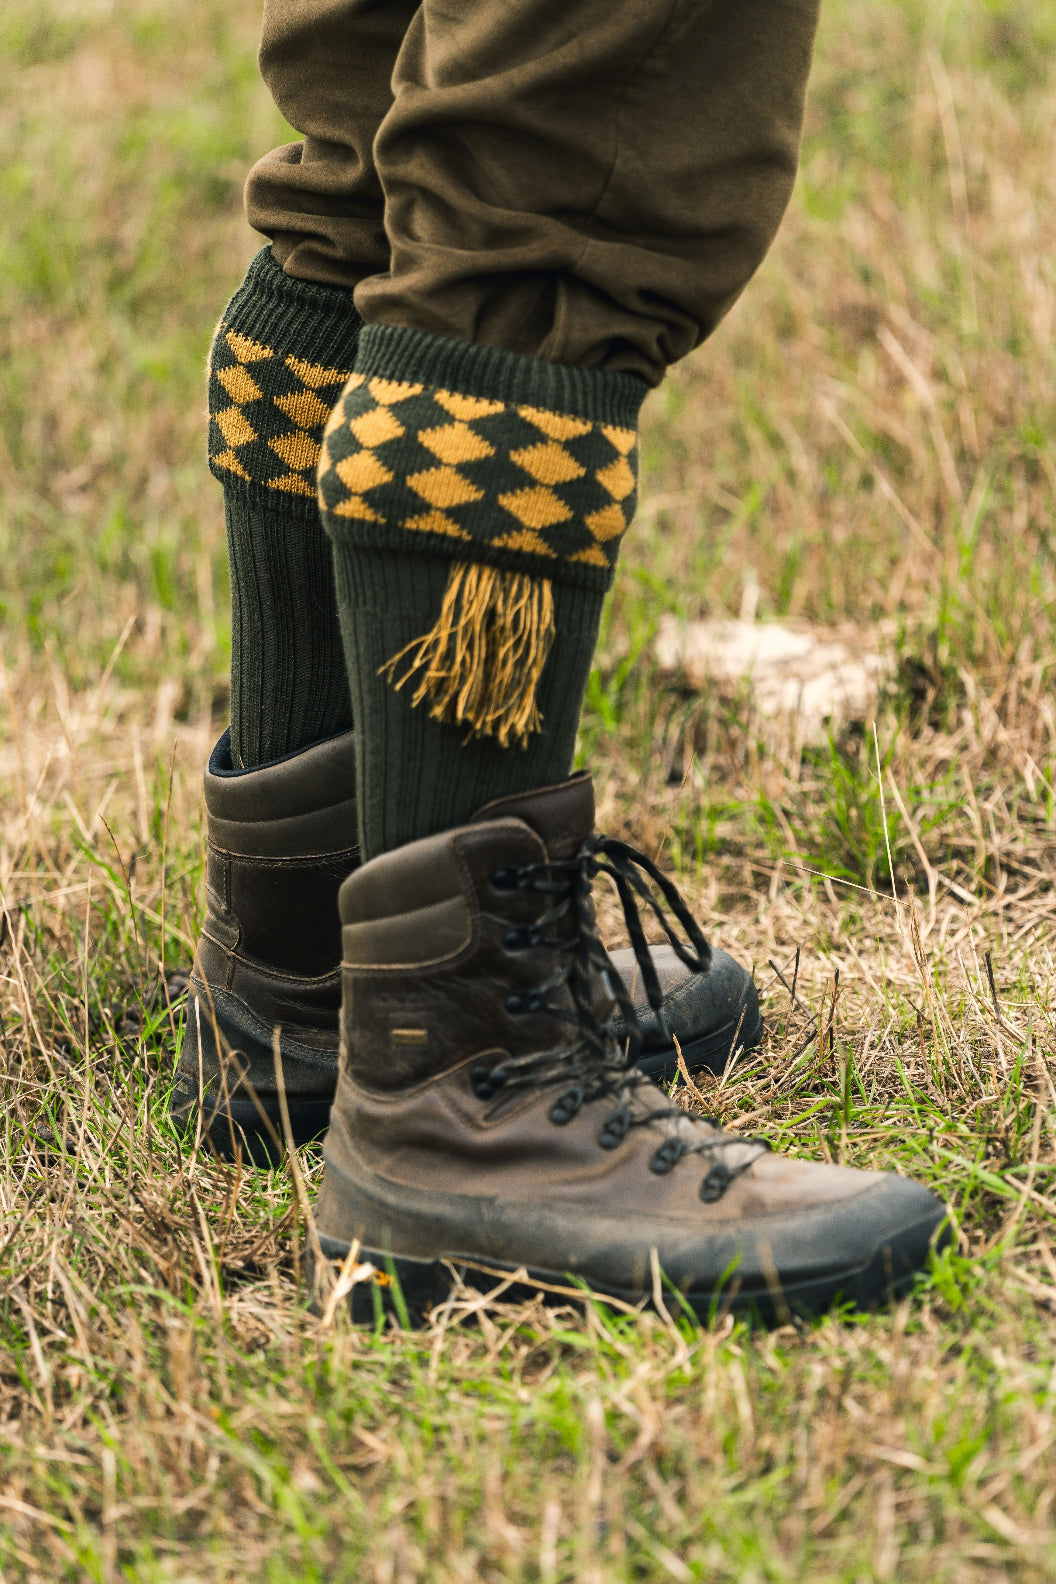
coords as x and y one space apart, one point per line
594 1065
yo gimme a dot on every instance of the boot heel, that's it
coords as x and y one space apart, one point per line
240 1126
231 1119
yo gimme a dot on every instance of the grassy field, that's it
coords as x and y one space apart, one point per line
870 439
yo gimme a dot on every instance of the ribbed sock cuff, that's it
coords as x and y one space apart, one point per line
415 356
281 354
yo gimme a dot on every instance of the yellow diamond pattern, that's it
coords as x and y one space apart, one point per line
239 384
536 508
559 426
437 522
456 442
355 506
537 505
549 463
229 460
304 409
624 440
607 523
444 486
362 471
617 478
374 428
245 350
386 391
311 374
591 556
297 449
524 539
235 426
467 406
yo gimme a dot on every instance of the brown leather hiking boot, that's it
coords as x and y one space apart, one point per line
281 839
487 1123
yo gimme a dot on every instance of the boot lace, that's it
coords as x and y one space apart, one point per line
594 1066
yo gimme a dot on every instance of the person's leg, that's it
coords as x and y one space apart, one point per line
280 812
280 356
280 785
574 194
319 203
328 65
282 352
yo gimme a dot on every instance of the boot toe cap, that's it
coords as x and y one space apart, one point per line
697 1006
866 1239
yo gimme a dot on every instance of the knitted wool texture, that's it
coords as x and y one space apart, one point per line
280 357
520 472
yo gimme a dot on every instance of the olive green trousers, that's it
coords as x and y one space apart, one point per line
589 182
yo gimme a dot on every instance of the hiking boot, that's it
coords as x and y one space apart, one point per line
709 1012
487 1125
281 839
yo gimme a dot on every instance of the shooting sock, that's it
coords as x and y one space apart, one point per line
476 499
280 357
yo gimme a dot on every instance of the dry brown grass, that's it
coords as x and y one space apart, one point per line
869 439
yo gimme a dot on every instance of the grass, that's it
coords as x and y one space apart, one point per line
869 440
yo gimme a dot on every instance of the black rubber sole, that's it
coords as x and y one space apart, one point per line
407 1289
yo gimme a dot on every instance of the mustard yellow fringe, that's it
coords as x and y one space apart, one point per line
480 665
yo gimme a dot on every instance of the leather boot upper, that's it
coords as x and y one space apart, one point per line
475 1118
281 839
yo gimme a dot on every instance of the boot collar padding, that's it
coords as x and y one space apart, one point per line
315 778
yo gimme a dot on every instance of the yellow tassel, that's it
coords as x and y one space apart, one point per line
480 665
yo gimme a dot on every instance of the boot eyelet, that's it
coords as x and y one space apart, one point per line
505 879
537 1002
715 1183
515 1003
668 1155
614 1132
566 1106
486 1081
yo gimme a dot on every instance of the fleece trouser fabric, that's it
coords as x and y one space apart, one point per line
582 182
282 352
476 500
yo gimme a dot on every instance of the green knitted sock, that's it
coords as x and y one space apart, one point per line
475 499
415 775
281 354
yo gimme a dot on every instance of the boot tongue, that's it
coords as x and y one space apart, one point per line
562 816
